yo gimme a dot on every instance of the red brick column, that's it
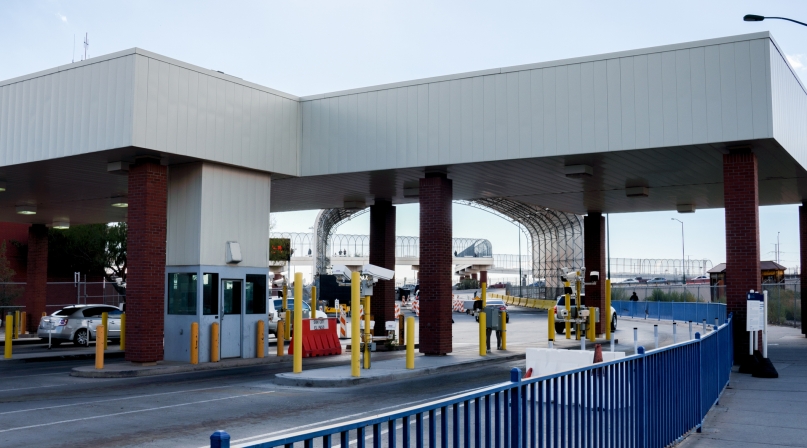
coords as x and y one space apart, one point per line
435 264
741 201
594 255
803 273
37 271
483 277
145 291
382 253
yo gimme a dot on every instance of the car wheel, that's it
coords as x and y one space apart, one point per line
560 328
613 323
81 338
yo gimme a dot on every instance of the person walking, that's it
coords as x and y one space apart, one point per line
634 297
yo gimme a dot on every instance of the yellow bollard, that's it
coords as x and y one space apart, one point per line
285 301
410 343
551 324
298 323
355 291
214 342
483 348
23 323
607 310
123 331
16 324
503 316
568 313
9 324
195 343
591 323
281 346
368 336
313 302
261 342
99 347
287 327
484 294
105 323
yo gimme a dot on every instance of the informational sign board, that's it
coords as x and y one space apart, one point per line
319 324
755 311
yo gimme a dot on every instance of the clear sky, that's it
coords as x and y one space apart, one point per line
307 47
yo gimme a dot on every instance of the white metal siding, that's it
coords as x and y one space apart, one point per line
187 112
67 112
184 214
703 94
789 105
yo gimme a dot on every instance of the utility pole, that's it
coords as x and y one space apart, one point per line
683 258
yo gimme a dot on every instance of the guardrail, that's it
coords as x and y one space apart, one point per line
681 311
650 399
527 302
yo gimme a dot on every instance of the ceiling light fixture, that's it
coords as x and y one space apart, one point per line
2 185
26 209
61 224
119 202
576 171
637 192
685 208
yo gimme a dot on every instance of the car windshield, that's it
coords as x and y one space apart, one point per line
562 301
495 302
290 303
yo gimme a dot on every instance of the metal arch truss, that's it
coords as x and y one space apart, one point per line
556 238
326 223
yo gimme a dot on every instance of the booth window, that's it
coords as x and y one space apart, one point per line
182 295
210 294
256 294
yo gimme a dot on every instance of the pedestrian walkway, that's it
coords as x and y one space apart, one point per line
756 412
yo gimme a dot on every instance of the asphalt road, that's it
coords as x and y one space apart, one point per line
40 405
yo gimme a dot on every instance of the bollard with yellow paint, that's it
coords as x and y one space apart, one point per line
297 363
568 313
24 323
281 346
355 291
368 337
287 327
195 343
105 323
410 343
484 295
551 321
607 316
9 324
313 302
214 342
16 324
99 347
123 331
483 347
261 342
503 316
592 332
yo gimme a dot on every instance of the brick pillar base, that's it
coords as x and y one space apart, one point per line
741 199
148 195
803 274
435 264
382 253
483 277
37 275
594 255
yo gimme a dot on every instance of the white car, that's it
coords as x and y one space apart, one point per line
275 313
561 302
77 323
630 281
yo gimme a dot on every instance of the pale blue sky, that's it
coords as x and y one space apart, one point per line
307 47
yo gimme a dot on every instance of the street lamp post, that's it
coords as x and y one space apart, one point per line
683 258
756 18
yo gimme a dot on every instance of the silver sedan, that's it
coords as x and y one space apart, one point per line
77 323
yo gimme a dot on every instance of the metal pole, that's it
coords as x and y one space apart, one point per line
675 327
608 247
635 340
655 334
520 293
765 325
690 330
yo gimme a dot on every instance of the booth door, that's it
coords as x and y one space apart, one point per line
230 318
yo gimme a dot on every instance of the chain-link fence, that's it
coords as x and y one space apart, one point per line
60 294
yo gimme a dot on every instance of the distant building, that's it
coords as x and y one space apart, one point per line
770 272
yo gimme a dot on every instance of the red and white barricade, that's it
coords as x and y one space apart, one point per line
416 307
397 311
343 334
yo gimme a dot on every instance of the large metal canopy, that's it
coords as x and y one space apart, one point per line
657 118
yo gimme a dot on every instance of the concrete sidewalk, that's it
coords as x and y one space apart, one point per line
395 369
756 412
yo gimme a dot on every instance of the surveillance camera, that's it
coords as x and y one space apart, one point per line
342 273
594 276
377 272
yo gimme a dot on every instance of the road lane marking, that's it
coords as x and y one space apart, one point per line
34 387
45 374
133 412
111 399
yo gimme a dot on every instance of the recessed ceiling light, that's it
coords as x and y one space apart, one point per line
3 185
120 202
61 224
26 209
637 192
685 208
577 171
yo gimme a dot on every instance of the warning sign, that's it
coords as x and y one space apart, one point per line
755 311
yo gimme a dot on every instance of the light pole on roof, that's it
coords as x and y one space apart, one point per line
683 258
756 18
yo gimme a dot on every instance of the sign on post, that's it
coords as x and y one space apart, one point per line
755 311
318 324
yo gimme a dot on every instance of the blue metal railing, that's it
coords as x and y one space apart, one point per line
680 311
650 399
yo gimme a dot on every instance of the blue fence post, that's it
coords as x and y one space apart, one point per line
515 409
641 398
220 439
699 400
719 366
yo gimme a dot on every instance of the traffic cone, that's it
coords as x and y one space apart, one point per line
597 353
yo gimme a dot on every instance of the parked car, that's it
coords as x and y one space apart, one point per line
561 302
658 281
502 307
77 323
275 314
701 279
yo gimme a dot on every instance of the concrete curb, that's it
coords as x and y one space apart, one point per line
291 379
128 370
